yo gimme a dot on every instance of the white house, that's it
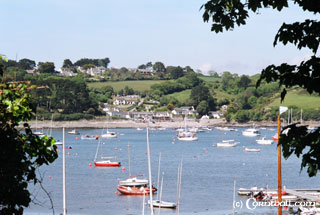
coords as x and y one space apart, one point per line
126 100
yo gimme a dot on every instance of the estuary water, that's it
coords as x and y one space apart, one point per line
207 177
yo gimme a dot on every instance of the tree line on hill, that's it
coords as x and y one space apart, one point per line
70 98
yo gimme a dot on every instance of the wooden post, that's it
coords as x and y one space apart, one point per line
279 169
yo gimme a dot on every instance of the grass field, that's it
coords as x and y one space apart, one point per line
209 78
118 85
299 99
181 96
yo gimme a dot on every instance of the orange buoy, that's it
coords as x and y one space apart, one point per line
90 164
50 177
58 150
77 138
123 169
146 153
116 148
116 192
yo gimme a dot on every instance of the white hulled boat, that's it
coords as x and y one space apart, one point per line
251 132
264 141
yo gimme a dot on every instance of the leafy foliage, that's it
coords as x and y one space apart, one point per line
21 153
224 14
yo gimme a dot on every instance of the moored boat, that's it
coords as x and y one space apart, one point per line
187 136
251 150
89 137
163 204
264 141
227 144
74 132
133 181
109 134
127 190
251 132
107 163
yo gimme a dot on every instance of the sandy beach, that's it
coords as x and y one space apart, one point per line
101 123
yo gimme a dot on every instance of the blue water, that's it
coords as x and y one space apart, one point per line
207 178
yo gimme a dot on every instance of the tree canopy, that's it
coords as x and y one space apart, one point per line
21 151
226 14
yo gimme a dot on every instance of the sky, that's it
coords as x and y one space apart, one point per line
131 33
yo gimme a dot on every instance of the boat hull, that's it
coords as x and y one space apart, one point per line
107 164
135 190
163 204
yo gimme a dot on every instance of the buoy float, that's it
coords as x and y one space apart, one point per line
68 153
58 150
50 177
116 192
116 148
123 169
146 153
251 142
90 164
77 138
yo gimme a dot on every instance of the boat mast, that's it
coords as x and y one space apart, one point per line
161 192
64 174
234 194
149 168
95 157
158 173
179 186
129 159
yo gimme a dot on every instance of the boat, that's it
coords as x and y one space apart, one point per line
226 129
74 132
128 190
309 210
264 141
139 129
58 142
89 137
229 143
251 132
104 161
159 203
163 204
109 134
251 150
107 163
133 180
187 136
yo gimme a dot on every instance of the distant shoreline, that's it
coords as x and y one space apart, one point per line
101 123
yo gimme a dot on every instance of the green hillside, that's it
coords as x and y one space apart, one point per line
297 98
118 85
181 96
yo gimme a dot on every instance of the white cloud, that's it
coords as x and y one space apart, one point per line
205 68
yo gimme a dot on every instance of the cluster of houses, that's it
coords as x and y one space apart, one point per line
134 100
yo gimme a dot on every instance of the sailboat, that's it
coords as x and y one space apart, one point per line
133 181
186 135
142 190
104 161
39 133
159 203
162 204
109 134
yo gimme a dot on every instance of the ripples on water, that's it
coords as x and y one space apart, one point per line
207 181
